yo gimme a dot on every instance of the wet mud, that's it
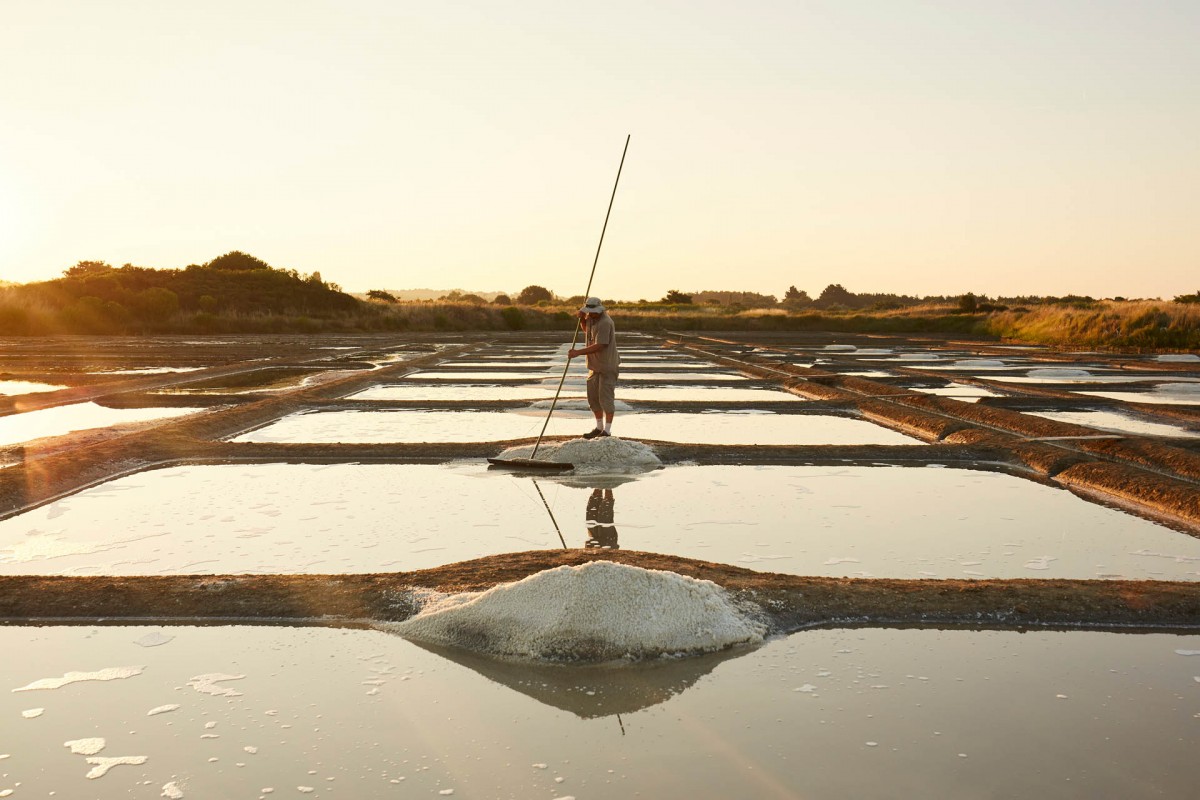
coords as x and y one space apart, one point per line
789 602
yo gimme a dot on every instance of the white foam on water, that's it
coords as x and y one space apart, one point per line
600 611
32 713
207 684
575 404
1188 652
85 747
1041 562
107 674
605 454
162 709
171 791
102 765
153 639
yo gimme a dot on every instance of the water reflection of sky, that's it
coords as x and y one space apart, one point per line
60 420
27 387
371 715
537 391
887 522
1117 422
500 426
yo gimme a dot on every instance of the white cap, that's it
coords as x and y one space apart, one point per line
593 306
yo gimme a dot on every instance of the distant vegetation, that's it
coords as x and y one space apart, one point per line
239 293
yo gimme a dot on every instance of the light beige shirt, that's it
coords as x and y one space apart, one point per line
603 330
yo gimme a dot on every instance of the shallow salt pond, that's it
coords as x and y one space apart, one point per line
1185 394
959 391
665 394
863 713
1114 421
27 387
61 420
889 522
499 426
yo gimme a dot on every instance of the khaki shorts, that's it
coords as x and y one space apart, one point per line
601 392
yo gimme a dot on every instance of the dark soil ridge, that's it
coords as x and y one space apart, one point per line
788 602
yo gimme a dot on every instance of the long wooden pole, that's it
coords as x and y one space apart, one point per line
587 293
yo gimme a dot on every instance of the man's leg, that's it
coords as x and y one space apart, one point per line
593 397
608 401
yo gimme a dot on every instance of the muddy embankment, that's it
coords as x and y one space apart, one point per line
789 602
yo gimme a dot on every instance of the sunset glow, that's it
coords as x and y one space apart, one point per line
920 148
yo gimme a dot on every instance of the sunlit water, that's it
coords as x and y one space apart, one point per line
76 417
1187 394
364 714
1115 421
666 394
888 522
147 370
499 426
959 391
27 387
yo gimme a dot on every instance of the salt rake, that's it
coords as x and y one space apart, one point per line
562 466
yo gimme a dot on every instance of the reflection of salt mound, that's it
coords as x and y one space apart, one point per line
593 690
980 362
1058 372
599 611
840 348
918 357
606 454
1180 357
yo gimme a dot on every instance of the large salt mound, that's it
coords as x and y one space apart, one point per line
600 611
605 454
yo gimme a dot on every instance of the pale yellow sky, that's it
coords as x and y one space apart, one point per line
921 147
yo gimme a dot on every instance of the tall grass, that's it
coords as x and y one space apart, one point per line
1135 325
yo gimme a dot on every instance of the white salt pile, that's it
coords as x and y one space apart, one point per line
603 455
600 611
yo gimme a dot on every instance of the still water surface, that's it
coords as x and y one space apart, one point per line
889 522
263 712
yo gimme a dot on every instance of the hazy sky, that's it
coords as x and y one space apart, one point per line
920 147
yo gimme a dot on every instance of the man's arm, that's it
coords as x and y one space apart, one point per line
591 348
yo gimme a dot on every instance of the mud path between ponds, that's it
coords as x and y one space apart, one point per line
789 602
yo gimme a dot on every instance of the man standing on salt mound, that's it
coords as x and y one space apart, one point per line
603 361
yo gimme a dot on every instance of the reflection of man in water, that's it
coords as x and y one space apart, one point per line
599 516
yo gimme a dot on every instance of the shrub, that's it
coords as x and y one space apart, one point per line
532 295
514 318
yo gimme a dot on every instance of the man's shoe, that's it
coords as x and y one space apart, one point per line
603 433
592 434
